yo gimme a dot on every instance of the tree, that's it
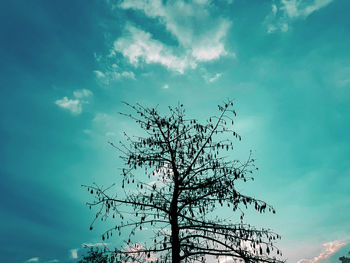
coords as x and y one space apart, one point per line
189 181
96 256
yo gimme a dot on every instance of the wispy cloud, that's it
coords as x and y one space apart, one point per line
113 74
196 44
215 77
35 259
328 250
75 104
286 11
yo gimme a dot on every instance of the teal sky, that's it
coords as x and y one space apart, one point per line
67 65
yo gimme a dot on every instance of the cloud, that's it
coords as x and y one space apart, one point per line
113 75
74 253
215 77
74 105
210 47
36 259
287 11
295 9
166 86
181 19
328 250
83 93
139 46
99 74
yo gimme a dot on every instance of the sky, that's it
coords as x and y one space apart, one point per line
68 65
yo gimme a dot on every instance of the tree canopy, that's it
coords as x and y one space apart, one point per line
184 179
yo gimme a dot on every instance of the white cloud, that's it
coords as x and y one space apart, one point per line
36 259
286 11
166 86
139 46
215 77
74 253
328 250
75 105
207 53
210 47
181 19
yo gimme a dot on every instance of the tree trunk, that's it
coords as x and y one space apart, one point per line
175 253
175 241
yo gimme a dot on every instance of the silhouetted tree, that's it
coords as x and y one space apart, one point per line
95 255
190 182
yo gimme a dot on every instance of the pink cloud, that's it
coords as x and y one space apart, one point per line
328 249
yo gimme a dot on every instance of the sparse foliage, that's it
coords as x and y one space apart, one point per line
95 255
187 187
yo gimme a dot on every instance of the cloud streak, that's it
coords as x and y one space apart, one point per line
35 259
215 77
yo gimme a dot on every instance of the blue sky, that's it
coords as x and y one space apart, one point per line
67 65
